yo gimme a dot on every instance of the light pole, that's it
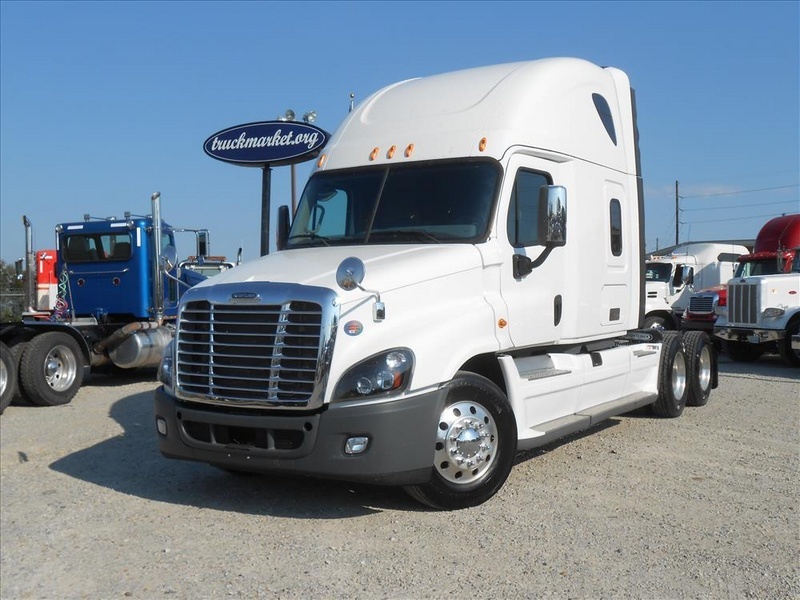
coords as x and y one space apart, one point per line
308 117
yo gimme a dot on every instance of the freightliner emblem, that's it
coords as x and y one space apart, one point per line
245 297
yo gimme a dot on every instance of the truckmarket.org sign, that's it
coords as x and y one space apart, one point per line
272 143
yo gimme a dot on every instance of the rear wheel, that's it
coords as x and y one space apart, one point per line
699 367
672 377
475 445
785 345
8 376
51 370
743 351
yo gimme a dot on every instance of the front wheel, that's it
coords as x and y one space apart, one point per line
788 354
51 369
656 322
475 445
743 351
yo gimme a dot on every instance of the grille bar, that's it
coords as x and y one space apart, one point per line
269 355
743 303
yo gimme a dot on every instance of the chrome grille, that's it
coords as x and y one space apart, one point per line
743 303
251 354
701 304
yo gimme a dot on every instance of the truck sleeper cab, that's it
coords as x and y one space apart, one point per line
421 322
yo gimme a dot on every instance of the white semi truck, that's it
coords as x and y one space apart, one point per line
463 279
670 279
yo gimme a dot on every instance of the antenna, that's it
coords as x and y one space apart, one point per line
352 98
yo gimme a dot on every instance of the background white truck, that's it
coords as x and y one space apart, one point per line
672 278
424 318
762 312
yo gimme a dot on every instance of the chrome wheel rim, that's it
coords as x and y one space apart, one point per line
465 443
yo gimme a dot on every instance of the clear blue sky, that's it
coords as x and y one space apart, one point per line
103 103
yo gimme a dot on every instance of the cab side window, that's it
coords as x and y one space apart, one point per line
522 224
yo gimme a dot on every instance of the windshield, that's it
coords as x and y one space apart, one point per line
767 266
422 203
91 247
658 272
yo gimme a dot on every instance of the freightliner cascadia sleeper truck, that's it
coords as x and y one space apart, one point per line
463 279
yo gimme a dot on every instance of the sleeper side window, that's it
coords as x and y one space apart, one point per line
616 227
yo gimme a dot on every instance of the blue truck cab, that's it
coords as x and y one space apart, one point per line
109 271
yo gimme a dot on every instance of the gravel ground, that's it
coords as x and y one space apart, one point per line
704 506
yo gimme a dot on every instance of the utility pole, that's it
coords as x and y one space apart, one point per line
677 222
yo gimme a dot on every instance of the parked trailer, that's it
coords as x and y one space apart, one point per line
106 296
463 279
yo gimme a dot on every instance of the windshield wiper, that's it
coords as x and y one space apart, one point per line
310 236
415 234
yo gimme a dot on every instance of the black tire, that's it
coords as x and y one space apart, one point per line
656 322
8 376
51 370
476 422
785 345
672 377
743 351
700 365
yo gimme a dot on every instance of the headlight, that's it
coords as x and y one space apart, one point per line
773 312
166 374
383 374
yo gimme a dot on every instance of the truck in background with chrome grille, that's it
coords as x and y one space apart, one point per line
422 320
670 279
762 309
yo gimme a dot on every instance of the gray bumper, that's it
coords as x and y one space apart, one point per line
402 436
752 335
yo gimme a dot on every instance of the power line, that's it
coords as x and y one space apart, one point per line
734 219
739 206
769 189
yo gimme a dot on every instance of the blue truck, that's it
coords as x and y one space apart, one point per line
115 292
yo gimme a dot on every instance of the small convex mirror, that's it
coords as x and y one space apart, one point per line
350 273
169 258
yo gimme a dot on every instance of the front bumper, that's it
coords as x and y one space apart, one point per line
752 335
402 438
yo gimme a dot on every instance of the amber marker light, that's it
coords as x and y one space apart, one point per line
502 323
409 150
321 160
482 144
374 153
391 152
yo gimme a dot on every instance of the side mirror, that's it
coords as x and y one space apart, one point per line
687 275
203 243
283 227
169 258
553 219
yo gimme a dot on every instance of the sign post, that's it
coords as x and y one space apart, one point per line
266 144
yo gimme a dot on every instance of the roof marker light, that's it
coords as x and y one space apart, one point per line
409 150
374 153
391 152
482 144
321 160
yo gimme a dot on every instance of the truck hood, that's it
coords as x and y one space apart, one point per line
387 267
